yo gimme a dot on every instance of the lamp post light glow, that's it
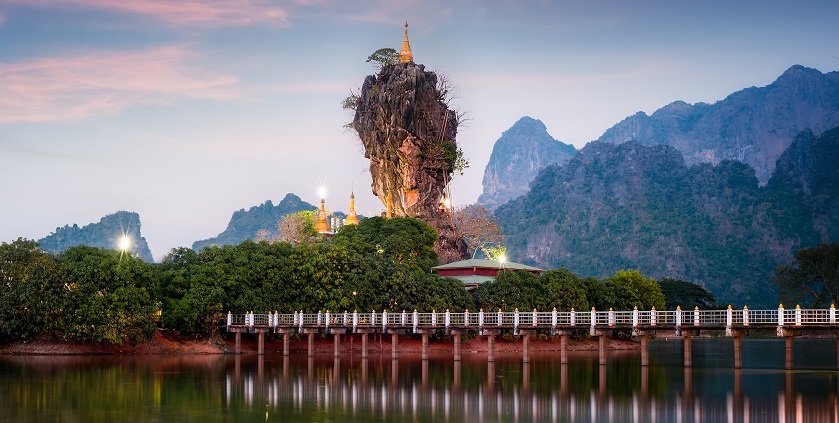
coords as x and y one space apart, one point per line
124 243
502 259
322 192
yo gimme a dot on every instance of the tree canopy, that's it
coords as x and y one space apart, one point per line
812 280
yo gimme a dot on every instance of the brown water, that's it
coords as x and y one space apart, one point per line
274 388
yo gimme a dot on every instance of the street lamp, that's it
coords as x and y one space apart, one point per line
124 243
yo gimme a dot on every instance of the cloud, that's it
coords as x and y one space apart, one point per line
69 88
202 13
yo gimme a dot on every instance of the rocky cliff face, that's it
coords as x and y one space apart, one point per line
408 133
754 126
104 234
517 157
613 207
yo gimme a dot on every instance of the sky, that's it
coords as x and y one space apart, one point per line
186 111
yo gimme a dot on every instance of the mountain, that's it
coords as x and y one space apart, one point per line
517 157
754 126
631 205
105 234
244 224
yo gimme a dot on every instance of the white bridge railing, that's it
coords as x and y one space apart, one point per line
480 320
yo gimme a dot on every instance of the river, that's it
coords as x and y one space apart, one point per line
273 388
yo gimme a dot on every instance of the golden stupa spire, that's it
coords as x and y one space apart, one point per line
322 225
352 217
406 55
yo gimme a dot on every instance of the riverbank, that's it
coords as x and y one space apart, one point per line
166 343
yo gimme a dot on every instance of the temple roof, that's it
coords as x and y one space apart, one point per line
486 264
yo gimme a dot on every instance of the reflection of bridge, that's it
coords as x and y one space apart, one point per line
382 390
685 324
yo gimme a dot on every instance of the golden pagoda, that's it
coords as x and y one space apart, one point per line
405 55
352 217
322 225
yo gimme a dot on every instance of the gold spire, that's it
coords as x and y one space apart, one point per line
352 217
405 55
322 225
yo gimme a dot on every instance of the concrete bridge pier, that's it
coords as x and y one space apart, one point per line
490 334
563 345
286 339
425 333
738 352
238 347
394 342
455 333
645 350
789 351
525 347
337 341
311 344
260 342
365 332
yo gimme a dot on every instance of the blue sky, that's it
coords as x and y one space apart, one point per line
186 111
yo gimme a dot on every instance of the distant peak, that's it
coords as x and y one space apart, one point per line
527 121
798 71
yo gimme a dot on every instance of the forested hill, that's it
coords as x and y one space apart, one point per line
104 234
754 125
245 223
614 207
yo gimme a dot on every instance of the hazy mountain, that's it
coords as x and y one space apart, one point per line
517 157
614 207
245 223
105 234
755 125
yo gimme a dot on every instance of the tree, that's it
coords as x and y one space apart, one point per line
299 227
479 228
647 291
686 295
564 290
812 280
404 240
32 290
383 57
112 297
511 290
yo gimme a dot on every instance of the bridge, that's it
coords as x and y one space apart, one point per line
640 323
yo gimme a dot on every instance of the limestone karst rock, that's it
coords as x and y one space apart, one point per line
408 133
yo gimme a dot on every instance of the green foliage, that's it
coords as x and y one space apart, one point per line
564 290
511 290
112 296
32 290
812 281
646 291
427 292
383 57
404 240
686 295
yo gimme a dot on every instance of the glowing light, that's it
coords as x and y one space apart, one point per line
322 192
125 243
502 259
447 203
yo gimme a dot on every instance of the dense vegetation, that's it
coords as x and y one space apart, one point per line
103 295
614 207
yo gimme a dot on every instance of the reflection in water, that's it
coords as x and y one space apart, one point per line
326 388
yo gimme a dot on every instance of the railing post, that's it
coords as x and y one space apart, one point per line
354 320
534 317
611 317
516 320
466 317
448 318
404 318
745 315
433 317
678 317
797 315
635 318
653 317
553 319
500 317
250 319
300 319
573 317
346 318
373 318
832 313
696 316
229 319
729 317
276 318
327 319
384 318
780 315
416 320
481 318
593 321
320 318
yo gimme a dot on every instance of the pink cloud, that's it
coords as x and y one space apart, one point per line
67 88
205 13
